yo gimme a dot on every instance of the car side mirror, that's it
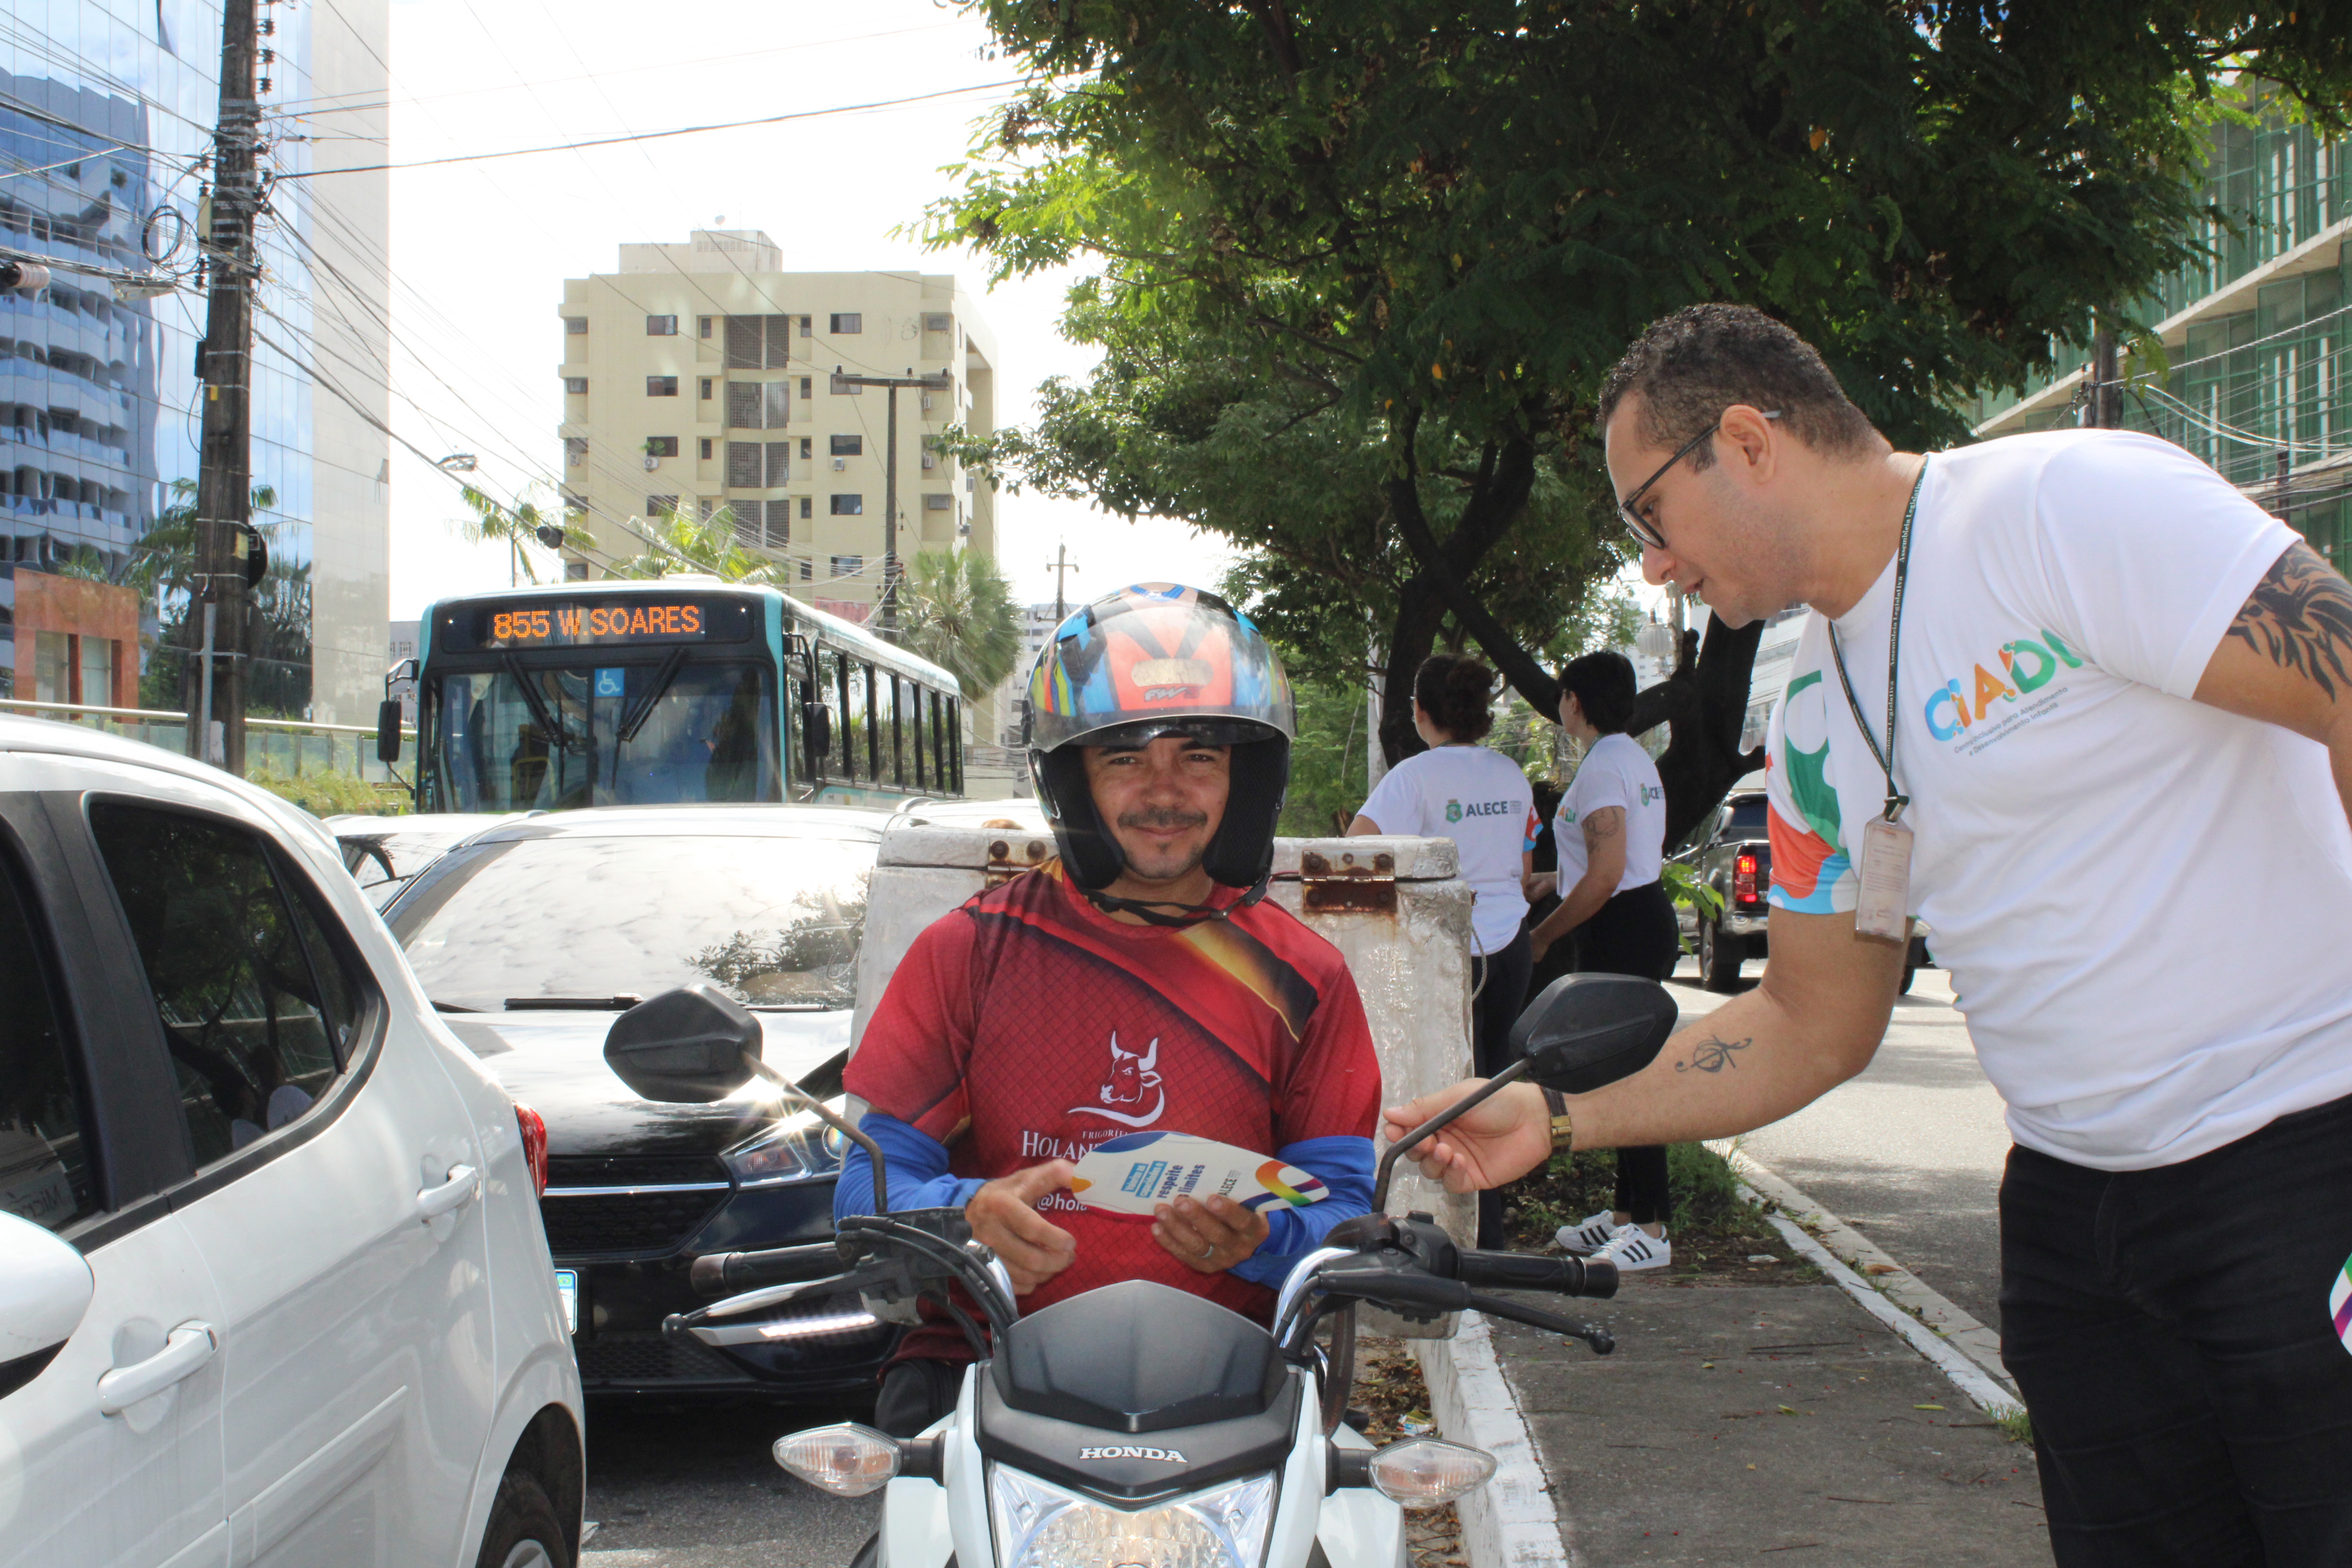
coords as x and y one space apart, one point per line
44 1288
687 1046
816 729
1587 1030
387 731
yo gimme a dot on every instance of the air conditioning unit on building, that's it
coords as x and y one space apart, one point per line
652 463
839 464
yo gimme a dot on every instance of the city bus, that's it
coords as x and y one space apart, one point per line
678 689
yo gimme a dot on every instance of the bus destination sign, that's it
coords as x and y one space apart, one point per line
579 624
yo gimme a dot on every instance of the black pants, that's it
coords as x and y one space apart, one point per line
2170 1331
1502 980
915 1393
1634 933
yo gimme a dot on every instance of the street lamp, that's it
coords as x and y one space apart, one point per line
455 463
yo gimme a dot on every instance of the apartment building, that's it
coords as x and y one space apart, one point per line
2254 334
702 375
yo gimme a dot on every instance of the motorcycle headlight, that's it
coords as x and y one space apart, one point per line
786 1152
1042 1526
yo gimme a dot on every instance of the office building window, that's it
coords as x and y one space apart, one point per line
808 571
936 502
805 392
757 343
661 326
848 565
805 449
575 326
661 387
780 466
936 324
848 445
575 450
576 385
804 326
849 506
808 505
702 326
706 448
780 523
844 388
661 446
742 465
747 523
660 506
845 322
706 389
776 403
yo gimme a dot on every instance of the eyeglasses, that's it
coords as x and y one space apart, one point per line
1635 524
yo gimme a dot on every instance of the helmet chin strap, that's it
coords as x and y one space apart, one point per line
1148 909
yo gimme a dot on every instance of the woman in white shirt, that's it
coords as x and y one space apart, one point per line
1611 831
1477 797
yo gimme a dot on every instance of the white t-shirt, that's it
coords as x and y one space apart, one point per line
1477 797
1615 771
2142 899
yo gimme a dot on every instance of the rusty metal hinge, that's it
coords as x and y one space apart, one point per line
1352 886
1002 867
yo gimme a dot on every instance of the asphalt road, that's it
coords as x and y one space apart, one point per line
1909 1152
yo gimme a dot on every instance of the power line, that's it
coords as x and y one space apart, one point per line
660 135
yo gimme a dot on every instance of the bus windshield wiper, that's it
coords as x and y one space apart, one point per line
634 718
557 736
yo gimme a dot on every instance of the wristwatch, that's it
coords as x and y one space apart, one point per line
1563 1127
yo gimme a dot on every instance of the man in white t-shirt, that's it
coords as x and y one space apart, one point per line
2122 738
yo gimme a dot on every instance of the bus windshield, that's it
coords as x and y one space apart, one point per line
520 737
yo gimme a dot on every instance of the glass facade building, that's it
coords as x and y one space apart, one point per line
107 110
2253 332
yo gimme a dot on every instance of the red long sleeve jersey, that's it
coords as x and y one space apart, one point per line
1027 1025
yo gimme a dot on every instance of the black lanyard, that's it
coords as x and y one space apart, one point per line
1894 802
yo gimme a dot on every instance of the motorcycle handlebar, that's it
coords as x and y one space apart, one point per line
725 1273
1518 1271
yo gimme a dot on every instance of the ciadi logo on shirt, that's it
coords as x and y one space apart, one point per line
1455 811
2026 665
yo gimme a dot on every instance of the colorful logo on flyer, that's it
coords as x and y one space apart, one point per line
1809 855
1285 1184
2026 666
2339 1303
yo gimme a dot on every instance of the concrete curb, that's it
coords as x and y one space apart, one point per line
1511 1522
1866 1270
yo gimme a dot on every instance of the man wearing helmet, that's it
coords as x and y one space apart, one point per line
1137 983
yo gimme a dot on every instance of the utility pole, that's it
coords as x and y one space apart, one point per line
225 462
1061 568
2107 393
890 481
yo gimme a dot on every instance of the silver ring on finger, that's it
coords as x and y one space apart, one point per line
1210 1252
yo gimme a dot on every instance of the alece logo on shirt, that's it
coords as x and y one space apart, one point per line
1455 811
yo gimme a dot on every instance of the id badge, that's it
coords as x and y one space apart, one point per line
1886 893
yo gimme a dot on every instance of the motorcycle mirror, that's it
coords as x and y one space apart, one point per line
1587 1030
687 1046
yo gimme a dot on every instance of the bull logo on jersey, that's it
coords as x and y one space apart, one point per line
1133 1083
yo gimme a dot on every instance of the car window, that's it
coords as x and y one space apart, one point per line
44 1173
258 1015
775 922
1747 816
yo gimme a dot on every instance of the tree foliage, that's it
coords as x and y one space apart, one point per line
1365 262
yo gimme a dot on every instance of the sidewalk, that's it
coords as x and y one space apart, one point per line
1739 1421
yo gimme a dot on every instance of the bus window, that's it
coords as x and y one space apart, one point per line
955 744
844 747
939 752
885 726
866 680
857 718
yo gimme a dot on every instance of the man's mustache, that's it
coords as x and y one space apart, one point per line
1164 819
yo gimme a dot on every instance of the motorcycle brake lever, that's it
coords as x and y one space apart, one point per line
1601 1340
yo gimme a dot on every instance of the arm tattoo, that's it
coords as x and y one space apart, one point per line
1712 1055
2300 618
1604 824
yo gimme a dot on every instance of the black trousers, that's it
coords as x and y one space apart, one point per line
1502 980
2170 1331
1634 933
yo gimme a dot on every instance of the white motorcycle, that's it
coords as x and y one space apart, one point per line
1141 1426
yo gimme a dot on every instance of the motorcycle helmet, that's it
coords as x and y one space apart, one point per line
1153 659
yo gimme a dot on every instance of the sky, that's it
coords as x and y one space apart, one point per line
480 249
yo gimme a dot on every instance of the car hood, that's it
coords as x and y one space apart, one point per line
554 1063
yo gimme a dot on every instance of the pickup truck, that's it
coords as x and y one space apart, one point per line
1730 851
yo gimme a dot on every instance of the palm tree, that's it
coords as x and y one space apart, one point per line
955 608
524 522
676 542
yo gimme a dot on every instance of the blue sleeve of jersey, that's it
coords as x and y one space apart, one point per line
918 1171
1344 1165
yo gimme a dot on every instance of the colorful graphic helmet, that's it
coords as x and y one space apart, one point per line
1154 660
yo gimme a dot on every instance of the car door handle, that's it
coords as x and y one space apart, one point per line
188 1348
451 1196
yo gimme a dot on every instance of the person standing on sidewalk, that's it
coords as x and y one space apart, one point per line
2078 702
1477 797
1611 830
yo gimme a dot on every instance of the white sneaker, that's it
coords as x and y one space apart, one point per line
1632 1247
1589 1235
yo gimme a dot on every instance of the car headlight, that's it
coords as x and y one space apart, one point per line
1042 1526
790 1151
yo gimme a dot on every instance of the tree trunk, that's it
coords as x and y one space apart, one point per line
1705 702
1420 615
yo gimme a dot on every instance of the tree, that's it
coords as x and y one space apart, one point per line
524 522
676 542
1398 243
956 609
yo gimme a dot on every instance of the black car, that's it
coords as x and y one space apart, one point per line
531 937
1730 851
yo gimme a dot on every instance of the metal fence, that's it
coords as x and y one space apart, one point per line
293 748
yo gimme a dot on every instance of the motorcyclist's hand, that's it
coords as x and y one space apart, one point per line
1500 1139
1210 1236
1003 1215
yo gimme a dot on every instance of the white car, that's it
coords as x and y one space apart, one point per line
273 1286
